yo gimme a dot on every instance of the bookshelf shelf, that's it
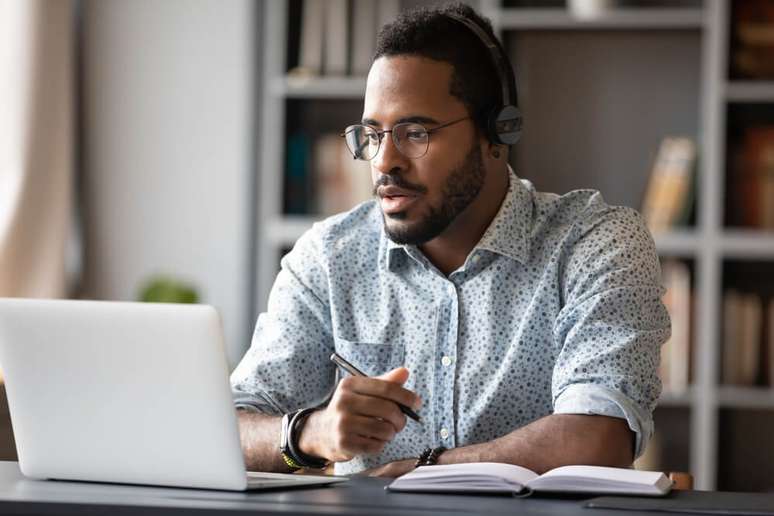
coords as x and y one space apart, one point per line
750 91
284 231
747 244
318 87
676 399
683 242
620 19
746 397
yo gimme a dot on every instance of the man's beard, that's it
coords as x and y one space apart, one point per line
460 189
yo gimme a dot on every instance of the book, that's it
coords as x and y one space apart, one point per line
753 183
750 341
493 477
732 314
742 337
340 181
770 344
363 36
297 183
752 49
675 353
310 59
669 193
336 38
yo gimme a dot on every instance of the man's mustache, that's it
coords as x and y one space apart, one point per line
397 180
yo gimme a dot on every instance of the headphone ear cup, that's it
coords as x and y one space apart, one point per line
504 125
491 126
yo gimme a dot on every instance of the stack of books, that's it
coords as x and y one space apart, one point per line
752 48
322 177
751 183
669 196
675 366
338 37
748 339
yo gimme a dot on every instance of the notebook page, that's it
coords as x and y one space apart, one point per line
602 479
478 476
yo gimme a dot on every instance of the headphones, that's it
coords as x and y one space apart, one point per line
503 123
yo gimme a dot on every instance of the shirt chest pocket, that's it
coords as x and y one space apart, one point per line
371 358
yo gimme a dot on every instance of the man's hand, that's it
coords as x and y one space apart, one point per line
362 417
391 469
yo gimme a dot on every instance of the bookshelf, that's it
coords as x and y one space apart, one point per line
682 68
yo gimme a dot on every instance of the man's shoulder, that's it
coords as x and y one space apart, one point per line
360 227
580 212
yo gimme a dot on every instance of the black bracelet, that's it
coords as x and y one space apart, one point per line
429 456
432 459
423 457
294 431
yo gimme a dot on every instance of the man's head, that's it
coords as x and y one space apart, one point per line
433 70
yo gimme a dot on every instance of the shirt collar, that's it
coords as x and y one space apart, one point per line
508 233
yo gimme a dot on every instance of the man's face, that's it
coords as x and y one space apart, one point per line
420 197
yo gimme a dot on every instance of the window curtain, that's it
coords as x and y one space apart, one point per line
36 146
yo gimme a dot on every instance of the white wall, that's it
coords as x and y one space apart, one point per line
167 105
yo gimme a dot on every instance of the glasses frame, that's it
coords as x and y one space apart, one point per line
380 135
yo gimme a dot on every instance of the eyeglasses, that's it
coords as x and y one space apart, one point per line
410 138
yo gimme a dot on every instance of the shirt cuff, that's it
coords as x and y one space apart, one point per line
597 400
253 403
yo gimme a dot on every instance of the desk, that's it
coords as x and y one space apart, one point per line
19 495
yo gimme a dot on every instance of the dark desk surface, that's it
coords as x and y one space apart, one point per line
19 495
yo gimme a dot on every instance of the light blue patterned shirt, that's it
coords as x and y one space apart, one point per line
557 310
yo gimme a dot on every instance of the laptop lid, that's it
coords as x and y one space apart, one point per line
120 392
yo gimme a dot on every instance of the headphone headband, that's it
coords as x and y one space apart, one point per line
505 122
494 51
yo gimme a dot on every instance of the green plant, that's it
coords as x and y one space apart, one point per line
164 289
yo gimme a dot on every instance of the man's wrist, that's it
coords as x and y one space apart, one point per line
308 440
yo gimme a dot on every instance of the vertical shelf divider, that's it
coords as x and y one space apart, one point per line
272 145
704 420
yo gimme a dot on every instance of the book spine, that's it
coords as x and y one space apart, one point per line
335 56
669 186
310 58
363 35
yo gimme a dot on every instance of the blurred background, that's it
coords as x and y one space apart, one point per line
173 151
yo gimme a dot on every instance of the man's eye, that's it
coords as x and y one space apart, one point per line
415 135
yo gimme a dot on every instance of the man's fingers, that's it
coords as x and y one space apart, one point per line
372 407
355 444
373 428
398 375
381 389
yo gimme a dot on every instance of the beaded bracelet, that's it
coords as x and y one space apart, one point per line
429 456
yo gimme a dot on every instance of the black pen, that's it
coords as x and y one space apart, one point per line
354 371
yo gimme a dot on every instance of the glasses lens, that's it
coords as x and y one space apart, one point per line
363 141
411 139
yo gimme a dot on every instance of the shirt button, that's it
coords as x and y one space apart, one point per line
444 433
452 290
476 258
446 361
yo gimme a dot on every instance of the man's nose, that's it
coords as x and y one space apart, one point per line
389 158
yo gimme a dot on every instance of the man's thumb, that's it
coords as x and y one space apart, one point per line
398 375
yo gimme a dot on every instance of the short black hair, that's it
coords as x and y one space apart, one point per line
429 32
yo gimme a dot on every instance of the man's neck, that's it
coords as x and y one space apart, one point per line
449 250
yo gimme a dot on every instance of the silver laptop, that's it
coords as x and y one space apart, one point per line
125 392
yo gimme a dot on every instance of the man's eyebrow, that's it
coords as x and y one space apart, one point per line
418 119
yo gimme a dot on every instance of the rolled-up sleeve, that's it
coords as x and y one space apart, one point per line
611 327
287 366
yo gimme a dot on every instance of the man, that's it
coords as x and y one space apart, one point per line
523 327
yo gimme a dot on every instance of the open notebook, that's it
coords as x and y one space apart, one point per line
493 477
